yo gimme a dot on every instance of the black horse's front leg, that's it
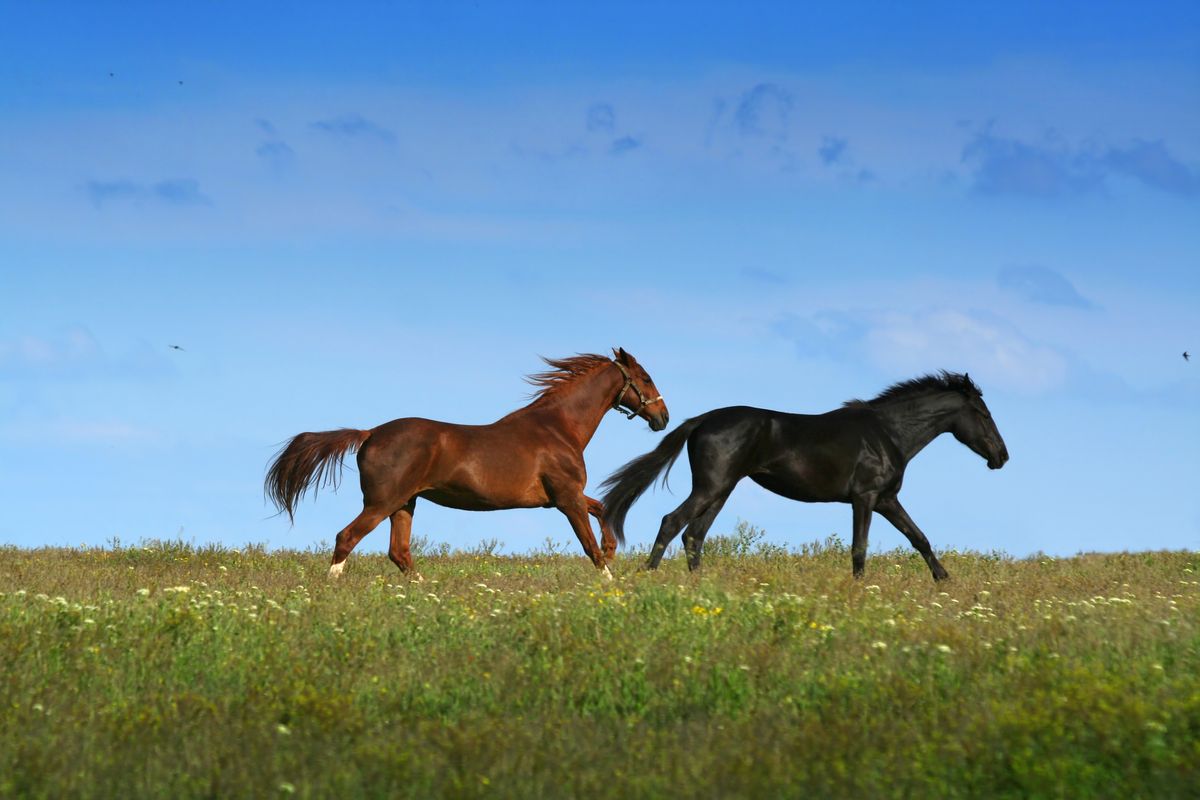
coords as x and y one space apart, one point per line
862 526
894 513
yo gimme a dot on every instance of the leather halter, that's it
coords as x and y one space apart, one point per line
629 384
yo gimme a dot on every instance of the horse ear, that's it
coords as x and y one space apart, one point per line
621 355
971 384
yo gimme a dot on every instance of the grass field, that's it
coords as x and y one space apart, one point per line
172 671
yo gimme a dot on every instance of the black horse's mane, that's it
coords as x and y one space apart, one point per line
934 382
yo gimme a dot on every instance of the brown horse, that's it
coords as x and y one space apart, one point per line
532 458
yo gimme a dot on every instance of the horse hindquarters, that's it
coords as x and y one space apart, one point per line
390 470
394 464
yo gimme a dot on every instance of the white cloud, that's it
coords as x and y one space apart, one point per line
905 343
74 346
75 354
78 432
991 349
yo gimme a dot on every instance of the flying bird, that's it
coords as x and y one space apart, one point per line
1186 357
176 347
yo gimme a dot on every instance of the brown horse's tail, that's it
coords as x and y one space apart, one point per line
626 485
309 459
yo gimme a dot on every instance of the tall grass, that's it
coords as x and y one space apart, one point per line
167 670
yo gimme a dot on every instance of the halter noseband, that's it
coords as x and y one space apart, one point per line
629 384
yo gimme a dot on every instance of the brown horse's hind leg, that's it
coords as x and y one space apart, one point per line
351 535
608 542
576 512
399 551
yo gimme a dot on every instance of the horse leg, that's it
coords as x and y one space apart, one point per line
351 535
576 512
862 525
894 513
696 504
697 529
399 551
608 542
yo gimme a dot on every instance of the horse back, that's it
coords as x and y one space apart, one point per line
471 467
451 443
807 457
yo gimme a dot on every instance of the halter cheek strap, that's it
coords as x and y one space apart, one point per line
629 384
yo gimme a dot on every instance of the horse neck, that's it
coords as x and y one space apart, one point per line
916 422
583 403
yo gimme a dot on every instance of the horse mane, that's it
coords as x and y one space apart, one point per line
563 372
941 381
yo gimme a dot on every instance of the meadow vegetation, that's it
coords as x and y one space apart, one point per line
167 670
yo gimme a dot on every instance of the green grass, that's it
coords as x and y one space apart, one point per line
173 671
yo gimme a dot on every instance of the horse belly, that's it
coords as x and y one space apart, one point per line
806 481
467 500
488 484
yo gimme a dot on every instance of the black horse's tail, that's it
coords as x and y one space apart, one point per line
309 459
626 485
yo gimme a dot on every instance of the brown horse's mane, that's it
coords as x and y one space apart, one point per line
939 382
564 372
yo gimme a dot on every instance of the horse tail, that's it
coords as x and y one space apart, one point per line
307 460
628 483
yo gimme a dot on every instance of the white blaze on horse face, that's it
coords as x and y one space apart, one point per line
608 576
336 569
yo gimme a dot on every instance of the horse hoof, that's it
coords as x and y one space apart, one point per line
607 573
416 577
335 570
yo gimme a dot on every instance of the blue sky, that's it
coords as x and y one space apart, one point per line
356 212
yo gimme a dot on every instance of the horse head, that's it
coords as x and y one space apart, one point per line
973 426
639 397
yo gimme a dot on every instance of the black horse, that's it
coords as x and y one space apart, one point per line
855 454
